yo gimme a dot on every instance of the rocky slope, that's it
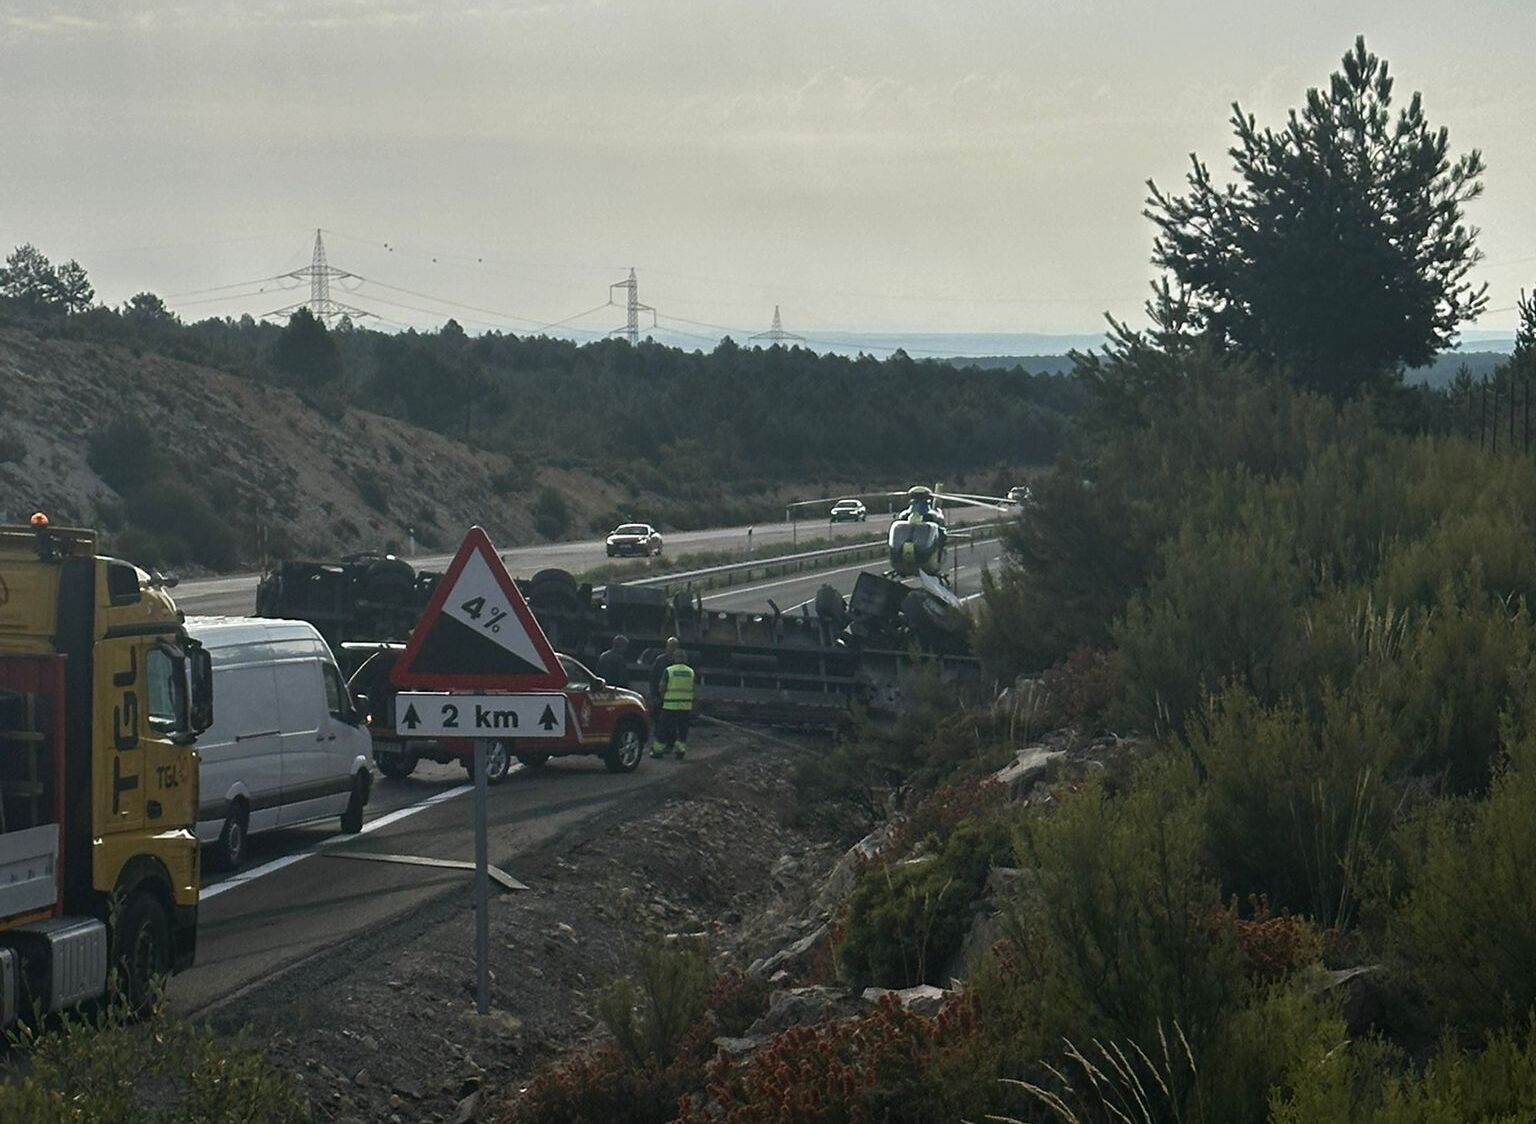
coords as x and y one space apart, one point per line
282 472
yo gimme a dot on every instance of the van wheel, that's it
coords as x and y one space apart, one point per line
352 818
230 850
141 951
396 766
626 748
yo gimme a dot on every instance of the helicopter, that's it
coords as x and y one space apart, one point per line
913 590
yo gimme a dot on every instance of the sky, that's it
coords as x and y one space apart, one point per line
882 165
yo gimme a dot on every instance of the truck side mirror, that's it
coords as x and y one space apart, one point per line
200 683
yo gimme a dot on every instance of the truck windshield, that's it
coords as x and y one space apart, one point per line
167 691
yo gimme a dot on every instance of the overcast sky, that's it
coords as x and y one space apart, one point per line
945 165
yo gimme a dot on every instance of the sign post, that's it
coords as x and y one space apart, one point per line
482 887
479 666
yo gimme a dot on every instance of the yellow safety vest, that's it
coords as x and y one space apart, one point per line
677 688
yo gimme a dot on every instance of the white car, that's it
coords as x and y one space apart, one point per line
634 538
848 511
288 744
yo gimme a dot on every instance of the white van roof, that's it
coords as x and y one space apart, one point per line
231 632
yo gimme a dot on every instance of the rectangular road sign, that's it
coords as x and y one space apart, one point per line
423 714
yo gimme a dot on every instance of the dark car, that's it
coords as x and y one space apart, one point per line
637 539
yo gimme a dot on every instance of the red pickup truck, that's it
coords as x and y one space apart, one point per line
601 721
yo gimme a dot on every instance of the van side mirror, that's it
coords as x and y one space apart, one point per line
360 707
200 686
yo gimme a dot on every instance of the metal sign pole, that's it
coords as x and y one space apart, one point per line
482 886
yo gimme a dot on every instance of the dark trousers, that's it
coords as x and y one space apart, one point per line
672 727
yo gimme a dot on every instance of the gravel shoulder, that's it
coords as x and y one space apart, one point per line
384 1026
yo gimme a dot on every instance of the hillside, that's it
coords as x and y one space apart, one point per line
275 469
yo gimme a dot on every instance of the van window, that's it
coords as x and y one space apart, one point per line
166 691
335 694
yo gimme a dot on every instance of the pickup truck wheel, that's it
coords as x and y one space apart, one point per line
396 766
352 818
626 749
141 950
498 761
230 850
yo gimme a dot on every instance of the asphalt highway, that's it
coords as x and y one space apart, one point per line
235 594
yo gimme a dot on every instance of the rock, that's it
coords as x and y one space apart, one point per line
1363 1006
467 1108
361 1079
370 1042
924 999
803 1006
735 1047
1035 763
786 865
787 958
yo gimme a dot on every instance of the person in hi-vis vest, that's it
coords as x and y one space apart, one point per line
677 684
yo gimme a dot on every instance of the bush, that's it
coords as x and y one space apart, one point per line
650 1016
871 1068
126 454
906 922
108 1067
551 514
1224 611
183 524
371 489
1124 919
602 1084
1295 802
1467 915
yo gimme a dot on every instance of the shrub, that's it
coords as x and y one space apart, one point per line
650 1016
870 1068
736 1001
905 923
371 489
1085 683
106 1067
602 1084
12 449
1295 803
1360 1083
1467 915
183 522
1224 611
1118 912
551 514
126 454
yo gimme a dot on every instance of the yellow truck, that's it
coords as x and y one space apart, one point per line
102 695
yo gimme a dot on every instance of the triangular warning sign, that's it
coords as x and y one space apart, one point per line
477 632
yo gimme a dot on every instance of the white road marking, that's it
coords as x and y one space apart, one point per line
246 877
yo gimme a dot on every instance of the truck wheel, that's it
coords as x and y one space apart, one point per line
352 818
498 760
141 950
230 850
626 749
396 766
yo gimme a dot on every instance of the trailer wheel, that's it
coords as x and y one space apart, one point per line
141 950
230 850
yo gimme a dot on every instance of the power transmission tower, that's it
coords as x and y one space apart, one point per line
320 275
776 334
633 308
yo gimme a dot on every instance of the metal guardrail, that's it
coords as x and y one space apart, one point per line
731 569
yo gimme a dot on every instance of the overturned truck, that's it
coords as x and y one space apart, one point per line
805 668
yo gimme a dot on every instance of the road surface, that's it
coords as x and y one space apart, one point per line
235 594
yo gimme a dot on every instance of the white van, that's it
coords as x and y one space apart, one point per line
288 745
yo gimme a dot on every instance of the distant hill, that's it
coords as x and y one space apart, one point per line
1443 370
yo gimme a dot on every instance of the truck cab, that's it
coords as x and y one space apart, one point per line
102 695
